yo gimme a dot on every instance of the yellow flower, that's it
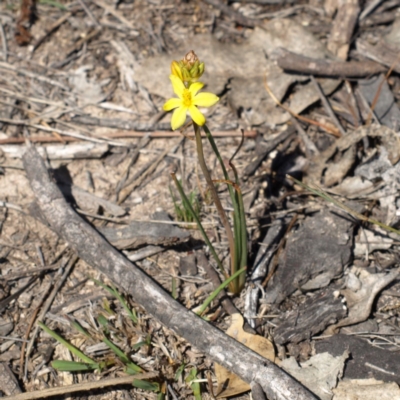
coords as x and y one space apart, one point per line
188 100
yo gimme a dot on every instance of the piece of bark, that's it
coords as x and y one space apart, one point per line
298 63
8 382
312 317
366 361
188 265
314 255
98 253
141 233
343 27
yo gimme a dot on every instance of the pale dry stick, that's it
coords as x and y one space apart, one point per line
81 387
334 132
369 8
65 133
115 13
89 13
122 135
327 106
32 75
311 148
3 42
30 99
97 252
11 206
127 190
47 306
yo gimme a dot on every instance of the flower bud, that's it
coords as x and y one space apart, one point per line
190 59
189 69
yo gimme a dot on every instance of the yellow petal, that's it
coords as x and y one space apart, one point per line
205 99
178 118
197 116
171 104
195 87
177 85
176 70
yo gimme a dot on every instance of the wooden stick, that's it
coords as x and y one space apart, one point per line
298 63
127 134
97 252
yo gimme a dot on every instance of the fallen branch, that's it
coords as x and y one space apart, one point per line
297 63
97 252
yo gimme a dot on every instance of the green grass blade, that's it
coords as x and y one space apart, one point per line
131 367
73 366
194 385
78 327
216 292
68 345
200 226
114 292
144 385
179 371
118 352
54 4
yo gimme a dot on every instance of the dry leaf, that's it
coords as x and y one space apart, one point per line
228 383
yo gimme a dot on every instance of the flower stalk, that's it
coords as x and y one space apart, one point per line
214 194
184 78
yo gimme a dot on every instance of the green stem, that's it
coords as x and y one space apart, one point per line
214 194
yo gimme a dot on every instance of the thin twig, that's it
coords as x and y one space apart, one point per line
89 13
33 75
3 42
124 134
125 193
327 106
334 132
81 387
